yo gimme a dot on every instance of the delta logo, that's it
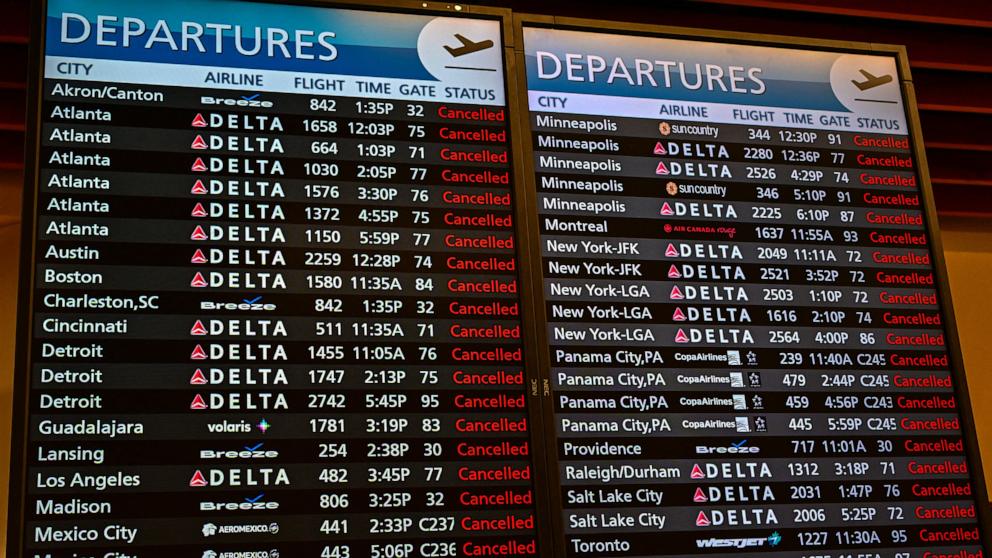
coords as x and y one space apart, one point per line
198 378
198 480
697 472
198 143
198 165
671 251
674 273
666 209
198 404
661 169
659 149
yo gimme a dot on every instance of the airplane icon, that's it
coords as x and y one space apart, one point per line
871 81
468 46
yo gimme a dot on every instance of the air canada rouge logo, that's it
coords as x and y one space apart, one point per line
661 169
198 378
659 149
672 188
198 188
198 143
671 252
664 128
199 121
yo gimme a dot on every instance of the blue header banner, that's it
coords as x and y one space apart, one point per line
237 34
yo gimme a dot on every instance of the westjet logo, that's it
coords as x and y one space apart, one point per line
713 542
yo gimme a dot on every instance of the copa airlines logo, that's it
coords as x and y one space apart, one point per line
771 540
197 37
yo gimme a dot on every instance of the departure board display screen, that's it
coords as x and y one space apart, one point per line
399 281
746 346
275 301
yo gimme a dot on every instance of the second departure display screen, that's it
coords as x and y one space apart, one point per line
746 345
288 298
